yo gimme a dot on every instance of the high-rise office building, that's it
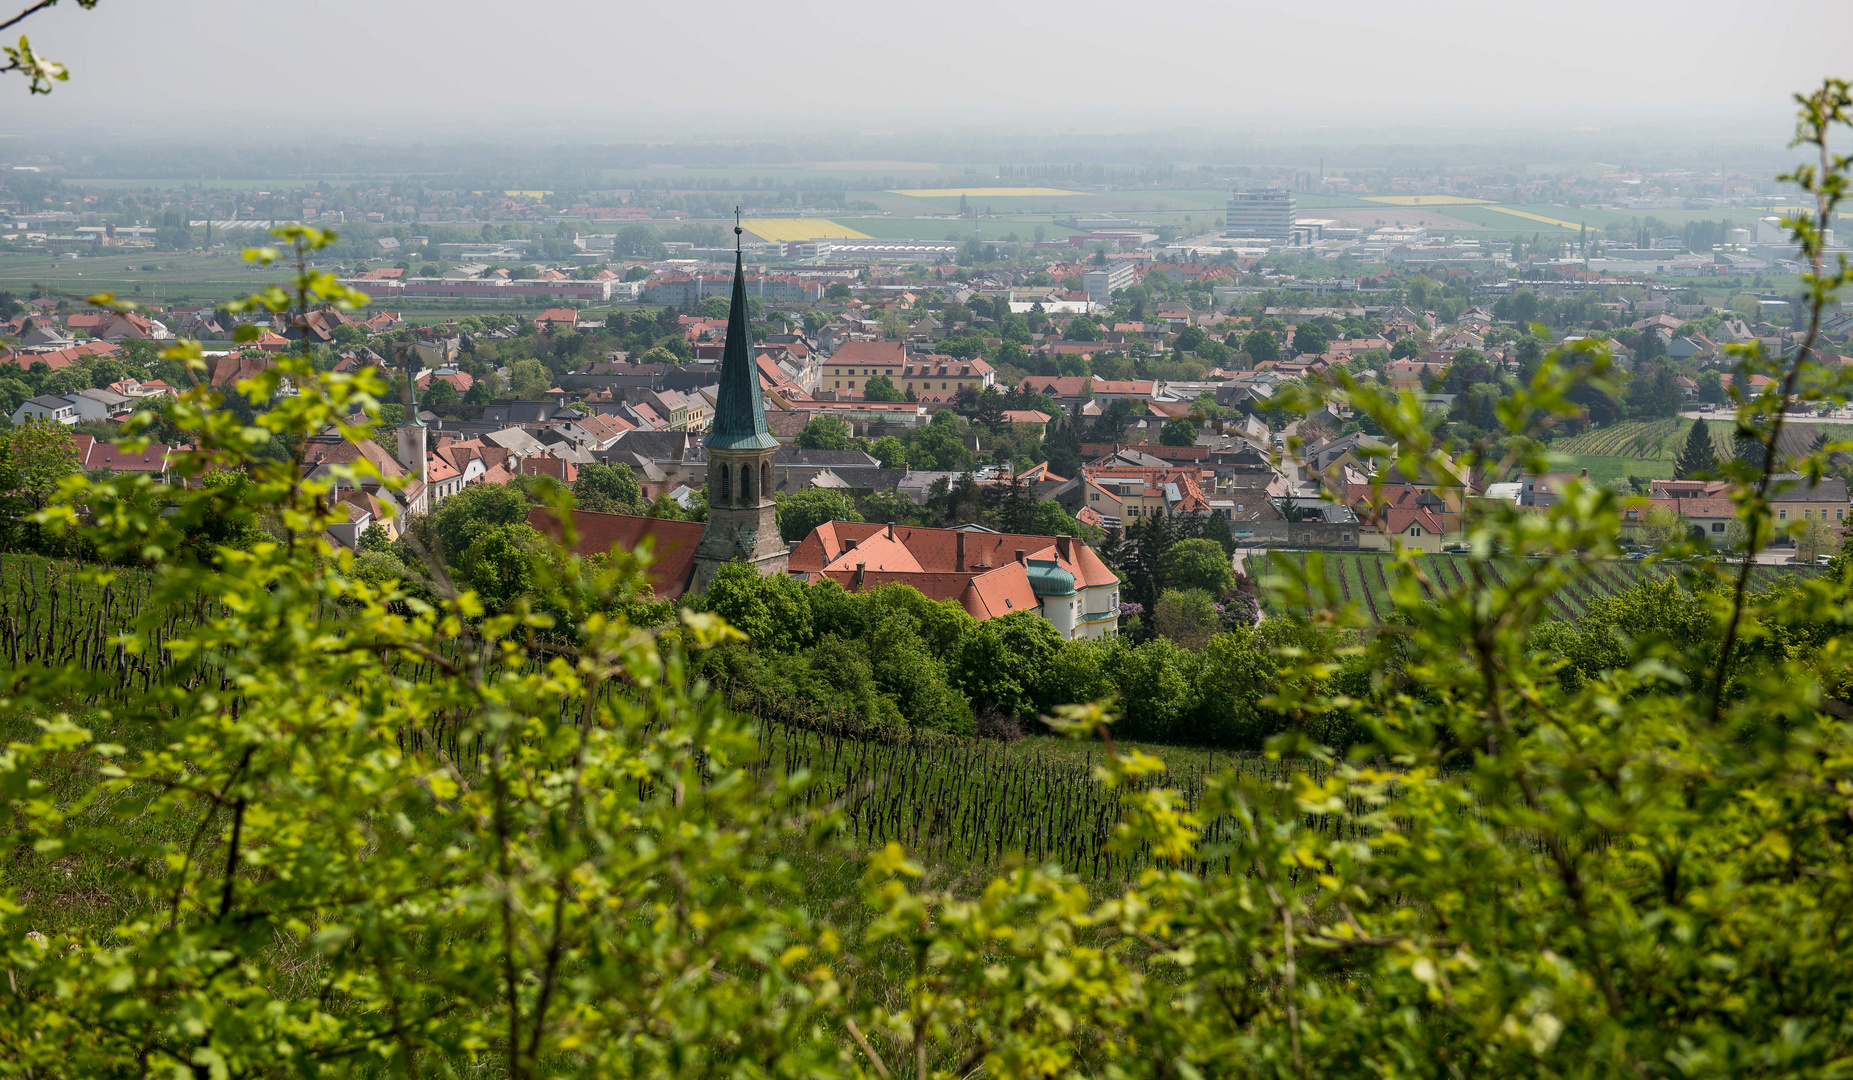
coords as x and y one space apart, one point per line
1260 215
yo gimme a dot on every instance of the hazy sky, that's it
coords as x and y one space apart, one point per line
608 71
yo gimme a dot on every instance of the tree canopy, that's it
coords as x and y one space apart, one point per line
1698 457
825 432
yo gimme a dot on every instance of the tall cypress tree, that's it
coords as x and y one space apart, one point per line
1699 457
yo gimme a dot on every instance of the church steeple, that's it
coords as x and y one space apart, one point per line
742 515
739 410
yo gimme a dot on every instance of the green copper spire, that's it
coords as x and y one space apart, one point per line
739 412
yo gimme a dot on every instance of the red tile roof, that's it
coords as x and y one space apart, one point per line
674 543
61 358
869 352
991 581
114 458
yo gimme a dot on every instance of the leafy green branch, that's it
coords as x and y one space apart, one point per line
40 71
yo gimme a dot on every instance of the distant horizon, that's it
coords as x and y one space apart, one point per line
1176 74
114 147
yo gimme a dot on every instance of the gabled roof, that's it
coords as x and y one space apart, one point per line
237 366
869 352
839 545
1399 520
673 543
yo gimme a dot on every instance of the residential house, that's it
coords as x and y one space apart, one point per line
233 367
142 391
1341 462
1128 494
671 543
1411 515
328 455
44 338
460 381
100 404
938 379
60 358
989 574
518 443
1795 498
155 461
46 408
847 371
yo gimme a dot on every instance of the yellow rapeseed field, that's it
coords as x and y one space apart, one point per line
983 192
784 230
1424 200
1535 217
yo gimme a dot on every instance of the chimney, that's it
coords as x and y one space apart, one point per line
960 565
1020 557
855 584
1064 545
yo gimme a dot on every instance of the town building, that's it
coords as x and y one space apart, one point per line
1794 498
1101 283
1260 215
742 521
46 408
989 574
937 378
847 371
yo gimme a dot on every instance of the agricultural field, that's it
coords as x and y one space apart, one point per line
1424 200
1504 220
985 192
1640 440
915 228
190 275
781 230
1649 447
1529 216
967 805
1365 579
1608 468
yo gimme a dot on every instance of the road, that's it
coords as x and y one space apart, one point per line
1838 416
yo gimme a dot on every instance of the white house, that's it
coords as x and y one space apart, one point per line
100 404
46 408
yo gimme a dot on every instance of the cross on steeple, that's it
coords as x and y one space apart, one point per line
736 229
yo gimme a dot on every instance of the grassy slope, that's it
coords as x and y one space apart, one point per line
1650 447
1361 568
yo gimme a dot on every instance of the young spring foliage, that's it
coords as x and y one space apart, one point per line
411 839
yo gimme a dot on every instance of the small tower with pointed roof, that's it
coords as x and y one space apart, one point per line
742 517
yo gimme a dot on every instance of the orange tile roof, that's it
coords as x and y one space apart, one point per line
674 543
929 560
869 352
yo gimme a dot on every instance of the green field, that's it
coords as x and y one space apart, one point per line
911 228
1364 579
1502 223
213 276
1649 447
1607 468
